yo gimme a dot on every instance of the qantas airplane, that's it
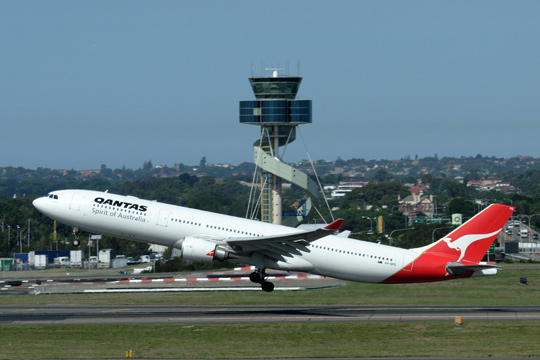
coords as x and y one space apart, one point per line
206 237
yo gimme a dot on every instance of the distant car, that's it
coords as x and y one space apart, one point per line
509 232
510 226
535 236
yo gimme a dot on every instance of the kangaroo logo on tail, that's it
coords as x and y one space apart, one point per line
465 241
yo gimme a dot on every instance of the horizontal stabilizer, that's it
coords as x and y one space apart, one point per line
456 269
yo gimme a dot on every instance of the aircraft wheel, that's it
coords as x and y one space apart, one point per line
255 277
76 242
267 286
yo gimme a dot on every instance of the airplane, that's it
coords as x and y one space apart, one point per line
204 236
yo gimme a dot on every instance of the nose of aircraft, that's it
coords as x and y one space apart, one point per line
40 205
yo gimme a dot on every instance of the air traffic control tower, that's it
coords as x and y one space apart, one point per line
277 112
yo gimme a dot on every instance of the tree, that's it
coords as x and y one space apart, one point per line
340 162
453 188
202 163
382 176
147 165
105 171
462 206
422 235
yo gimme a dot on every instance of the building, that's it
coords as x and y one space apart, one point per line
491 184
417 203
345 187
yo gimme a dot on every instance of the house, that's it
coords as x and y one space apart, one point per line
415 203
346 187
490 183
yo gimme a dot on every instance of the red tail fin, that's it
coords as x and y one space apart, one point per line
463 249
470 242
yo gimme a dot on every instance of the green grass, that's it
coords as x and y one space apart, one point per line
362 339
472 339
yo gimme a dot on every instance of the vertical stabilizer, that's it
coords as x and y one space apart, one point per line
459 253
470 242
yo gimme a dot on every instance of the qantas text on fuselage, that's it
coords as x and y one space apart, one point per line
120 204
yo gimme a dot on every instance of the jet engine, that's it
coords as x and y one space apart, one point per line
201 250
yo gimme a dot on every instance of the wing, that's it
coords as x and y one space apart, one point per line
278 246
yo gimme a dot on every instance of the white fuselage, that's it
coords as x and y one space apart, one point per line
158 223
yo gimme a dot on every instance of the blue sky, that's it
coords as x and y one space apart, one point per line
85 83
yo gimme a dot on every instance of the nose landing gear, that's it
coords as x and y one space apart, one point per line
76 241
259 277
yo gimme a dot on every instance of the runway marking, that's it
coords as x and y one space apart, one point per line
24 310
247 288
115 310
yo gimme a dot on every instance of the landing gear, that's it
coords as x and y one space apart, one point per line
76 241
255 277
259 277
267 286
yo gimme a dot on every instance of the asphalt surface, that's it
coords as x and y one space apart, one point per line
62 282
32 282
167 314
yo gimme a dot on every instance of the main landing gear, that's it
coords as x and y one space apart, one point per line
259 277
76 241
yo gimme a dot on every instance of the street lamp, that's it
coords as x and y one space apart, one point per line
433 233
19 238
474 202
28 235
9 238
391 239
370 222
484 203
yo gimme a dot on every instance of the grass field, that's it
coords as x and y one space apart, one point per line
472 339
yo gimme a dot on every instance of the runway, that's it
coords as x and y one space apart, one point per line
17 315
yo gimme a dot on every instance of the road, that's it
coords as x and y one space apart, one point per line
167 314
516 228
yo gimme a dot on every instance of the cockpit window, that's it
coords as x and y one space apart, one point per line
53 196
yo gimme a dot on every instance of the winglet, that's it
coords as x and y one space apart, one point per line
336 225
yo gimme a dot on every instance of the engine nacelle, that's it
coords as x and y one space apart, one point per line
200 250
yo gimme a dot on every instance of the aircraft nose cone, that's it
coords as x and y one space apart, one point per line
39 204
